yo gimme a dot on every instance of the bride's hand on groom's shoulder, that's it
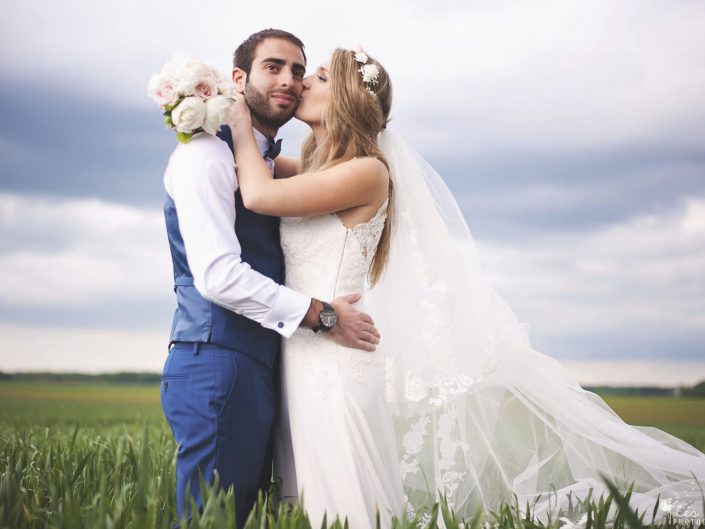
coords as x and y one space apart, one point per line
239 117
354 328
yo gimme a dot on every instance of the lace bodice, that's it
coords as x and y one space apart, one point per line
324 258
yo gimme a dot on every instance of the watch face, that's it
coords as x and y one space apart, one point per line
328 319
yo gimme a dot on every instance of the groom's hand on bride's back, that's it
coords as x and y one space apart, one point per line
353 328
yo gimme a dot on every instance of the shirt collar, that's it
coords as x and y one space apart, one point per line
262 141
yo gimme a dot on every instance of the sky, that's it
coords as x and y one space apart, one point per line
571 133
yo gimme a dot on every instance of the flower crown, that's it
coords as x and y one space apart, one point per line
369 70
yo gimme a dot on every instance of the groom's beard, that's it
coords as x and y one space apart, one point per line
261 110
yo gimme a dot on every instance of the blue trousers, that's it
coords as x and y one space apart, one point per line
220 405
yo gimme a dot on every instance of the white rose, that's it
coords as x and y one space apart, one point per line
189 73
217 76
189 114
226 88
186 83
162 89
206 88
216 111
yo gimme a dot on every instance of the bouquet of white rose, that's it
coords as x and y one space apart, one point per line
194 97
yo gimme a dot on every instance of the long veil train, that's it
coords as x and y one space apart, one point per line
478 413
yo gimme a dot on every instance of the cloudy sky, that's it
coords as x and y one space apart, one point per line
572 134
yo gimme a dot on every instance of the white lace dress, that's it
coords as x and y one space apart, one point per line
335 445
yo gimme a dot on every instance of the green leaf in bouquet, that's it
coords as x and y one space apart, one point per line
167 120
169 108
184 137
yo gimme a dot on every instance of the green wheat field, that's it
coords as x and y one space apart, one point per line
101 456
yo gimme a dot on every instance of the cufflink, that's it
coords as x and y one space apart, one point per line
280 324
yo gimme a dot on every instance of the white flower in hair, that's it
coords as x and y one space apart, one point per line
361 56
370 73
369 70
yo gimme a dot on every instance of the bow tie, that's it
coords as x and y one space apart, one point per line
275 148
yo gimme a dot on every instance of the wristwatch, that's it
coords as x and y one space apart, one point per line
327 318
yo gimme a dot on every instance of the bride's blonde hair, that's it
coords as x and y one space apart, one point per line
352 119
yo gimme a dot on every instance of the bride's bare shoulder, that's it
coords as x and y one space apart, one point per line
368 166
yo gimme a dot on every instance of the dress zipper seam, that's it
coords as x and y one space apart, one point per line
340 264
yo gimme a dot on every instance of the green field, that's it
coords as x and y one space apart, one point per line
683 417
73 455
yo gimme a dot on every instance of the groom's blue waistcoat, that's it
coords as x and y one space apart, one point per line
199 320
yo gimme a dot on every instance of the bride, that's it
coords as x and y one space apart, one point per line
455 401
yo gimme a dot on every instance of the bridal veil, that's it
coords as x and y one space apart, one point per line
479 414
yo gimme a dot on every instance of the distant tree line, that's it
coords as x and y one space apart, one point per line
123 377
126 377
698 390
630 390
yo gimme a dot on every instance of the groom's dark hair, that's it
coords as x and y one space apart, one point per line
245 52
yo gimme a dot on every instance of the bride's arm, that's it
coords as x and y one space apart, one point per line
348 184
286 166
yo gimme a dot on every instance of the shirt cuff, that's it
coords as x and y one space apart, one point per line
288 311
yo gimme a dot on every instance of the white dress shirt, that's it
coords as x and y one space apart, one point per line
201 179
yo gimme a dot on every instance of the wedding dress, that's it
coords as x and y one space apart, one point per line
338 429
455 400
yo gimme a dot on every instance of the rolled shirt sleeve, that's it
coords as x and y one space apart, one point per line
200 178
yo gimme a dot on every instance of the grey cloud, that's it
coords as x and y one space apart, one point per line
524 194
119 153
135 313
80 147
85 148
541 148
643 344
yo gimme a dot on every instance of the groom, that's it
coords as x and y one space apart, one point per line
219 386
